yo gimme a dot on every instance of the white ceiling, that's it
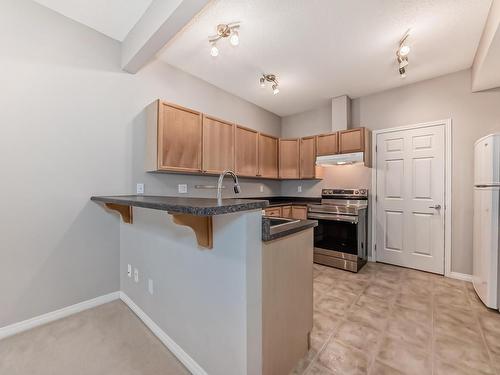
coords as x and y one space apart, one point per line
325 48
114 18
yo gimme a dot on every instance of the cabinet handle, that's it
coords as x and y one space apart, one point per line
436 207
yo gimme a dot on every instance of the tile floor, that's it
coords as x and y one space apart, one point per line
391 320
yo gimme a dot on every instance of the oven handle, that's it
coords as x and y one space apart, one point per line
349 219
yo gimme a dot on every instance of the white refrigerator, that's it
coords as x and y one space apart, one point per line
486 239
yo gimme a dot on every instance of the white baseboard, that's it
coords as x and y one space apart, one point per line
55 315
460 276
176 350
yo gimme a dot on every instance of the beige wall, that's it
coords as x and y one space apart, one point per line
72 126
473 116
315 121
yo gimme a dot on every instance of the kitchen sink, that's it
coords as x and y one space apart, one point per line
278 221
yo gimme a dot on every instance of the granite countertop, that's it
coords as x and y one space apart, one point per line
290 201
191 206
270 233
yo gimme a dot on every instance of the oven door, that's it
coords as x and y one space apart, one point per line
338 235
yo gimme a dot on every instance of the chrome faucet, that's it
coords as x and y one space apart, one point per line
237 188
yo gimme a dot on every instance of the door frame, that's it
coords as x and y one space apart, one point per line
447 124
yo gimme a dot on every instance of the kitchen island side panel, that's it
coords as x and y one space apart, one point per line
207 301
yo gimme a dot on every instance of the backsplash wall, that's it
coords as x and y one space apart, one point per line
335 176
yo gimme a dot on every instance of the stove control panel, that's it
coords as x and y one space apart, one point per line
355 193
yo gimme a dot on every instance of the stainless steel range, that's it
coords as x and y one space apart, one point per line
340 239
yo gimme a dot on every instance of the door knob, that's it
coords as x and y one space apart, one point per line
436 207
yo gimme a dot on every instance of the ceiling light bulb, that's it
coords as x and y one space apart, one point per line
275 89
235 38
262 82
214 51
404 50
403 75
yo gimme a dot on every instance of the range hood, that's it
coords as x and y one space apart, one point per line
339 159
341 120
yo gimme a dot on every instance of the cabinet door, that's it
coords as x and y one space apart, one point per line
351 140
327 144
286 211
307 157
268 156
289 158
246 151
218 145
273 211
179 138
299 212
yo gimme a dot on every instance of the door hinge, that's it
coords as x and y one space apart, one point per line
375 247
376 148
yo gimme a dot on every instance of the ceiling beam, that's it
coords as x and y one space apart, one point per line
160 23
485 69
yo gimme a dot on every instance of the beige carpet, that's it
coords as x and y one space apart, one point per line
107 340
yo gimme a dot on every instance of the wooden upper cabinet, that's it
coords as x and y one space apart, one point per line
289 160
246 151
268 156
327 144
308 157
356 140
218 145
352 140
173 138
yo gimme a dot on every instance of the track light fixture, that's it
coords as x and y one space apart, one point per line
230 31
270 78
402 55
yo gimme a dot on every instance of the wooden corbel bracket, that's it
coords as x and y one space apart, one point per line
201 225
124 211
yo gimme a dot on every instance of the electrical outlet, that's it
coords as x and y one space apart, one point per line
183 188
299 188
150 287
129 270
261 188
140 188
136 275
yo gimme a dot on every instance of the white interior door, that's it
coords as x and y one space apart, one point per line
410 198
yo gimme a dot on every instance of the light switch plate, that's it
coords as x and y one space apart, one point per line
129 270
140 188
261 188
150 287
299 188
136 275
183 188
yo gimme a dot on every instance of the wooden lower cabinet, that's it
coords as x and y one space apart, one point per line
286 211
292 212
299 212
289 160
218 145
287 301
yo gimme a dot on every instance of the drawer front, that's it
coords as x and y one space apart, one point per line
274 211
